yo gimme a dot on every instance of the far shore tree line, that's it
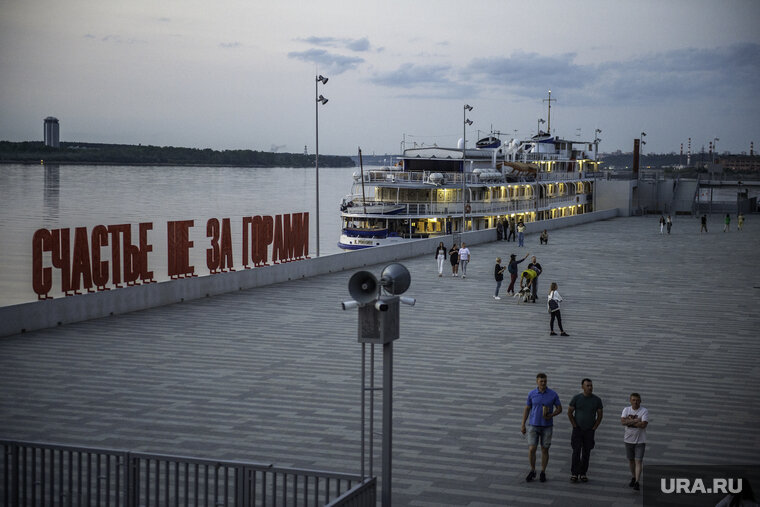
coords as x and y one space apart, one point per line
32 152
97 153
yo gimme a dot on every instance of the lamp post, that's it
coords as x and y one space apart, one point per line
465 122
715 148
641 147
596 143
319 100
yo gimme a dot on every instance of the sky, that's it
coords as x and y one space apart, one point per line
241 74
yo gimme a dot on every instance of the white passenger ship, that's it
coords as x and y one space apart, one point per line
437 191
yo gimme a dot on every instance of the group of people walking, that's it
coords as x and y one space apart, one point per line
665 222
585 414
459 257
726 222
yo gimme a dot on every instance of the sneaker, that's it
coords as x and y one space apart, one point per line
542 477
636 486
531 476
564 334
440 275
573 478
633 481
583 478
552 334
464 276
496 297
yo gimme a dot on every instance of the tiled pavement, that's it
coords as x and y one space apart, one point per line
272 374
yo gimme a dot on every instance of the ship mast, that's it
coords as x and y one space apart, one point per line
361 168
549 116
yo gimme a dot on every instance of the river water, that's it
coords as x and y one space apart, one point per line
51 197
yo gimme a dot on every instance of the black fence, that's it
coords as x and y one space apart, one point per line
56 475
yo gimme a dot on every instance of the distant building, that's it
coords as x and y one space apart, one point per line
51 132
741 163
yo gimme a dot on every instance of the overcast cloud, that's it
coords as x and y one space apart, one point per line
242 75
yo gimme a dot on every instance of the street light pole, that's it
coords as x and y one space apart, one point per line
465 122
715 148
596 143
319 100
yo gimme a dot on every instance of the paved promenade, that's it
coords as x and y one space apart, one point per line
273 374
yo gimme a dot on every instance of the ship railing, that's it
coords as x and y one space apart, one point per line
532 157
563 176
446 209
562 202
495 207
384 176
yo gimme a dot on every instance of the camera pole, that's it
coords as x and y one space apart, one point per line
379 323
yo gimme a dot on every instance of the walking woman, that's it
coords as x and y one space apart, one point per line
440 256
498 274
454 259
553 302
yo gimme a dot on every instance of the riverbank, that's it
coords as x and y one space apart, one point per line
30 152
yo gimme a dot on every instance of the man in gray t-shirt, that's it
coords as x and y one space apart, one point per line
585 414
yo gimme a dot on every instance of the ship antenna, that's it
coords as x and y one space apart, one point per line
549 117
361 168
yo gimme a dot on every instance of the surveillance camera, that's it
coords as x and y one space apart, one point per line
381 306
347 305
407 300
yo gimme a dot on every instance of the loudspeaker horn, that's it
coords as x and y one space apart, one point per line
363 287
395 278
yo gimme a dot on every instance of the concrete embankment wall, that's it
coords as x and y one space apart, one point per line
54 312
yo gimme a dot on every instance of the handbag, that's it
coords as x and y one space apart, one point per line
553 305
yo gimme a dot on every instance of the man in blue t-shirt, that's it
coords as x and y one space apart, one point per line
585 414
542 405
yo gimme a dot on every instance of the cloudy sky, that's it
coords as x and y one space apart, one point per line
232 74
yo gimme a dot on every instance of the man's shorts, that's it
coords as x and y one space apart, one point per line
542 433
635 451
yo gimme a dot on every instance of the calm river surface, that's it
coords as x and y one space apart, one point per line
51 197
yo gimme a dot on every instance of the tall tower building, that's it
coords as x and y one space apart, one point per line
51 132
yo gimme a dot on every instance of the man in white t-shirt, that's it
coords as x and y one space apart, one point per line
635 419
464 259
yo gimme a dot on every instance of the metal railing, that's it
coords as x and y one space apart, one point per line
495 207
416 177
47 474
